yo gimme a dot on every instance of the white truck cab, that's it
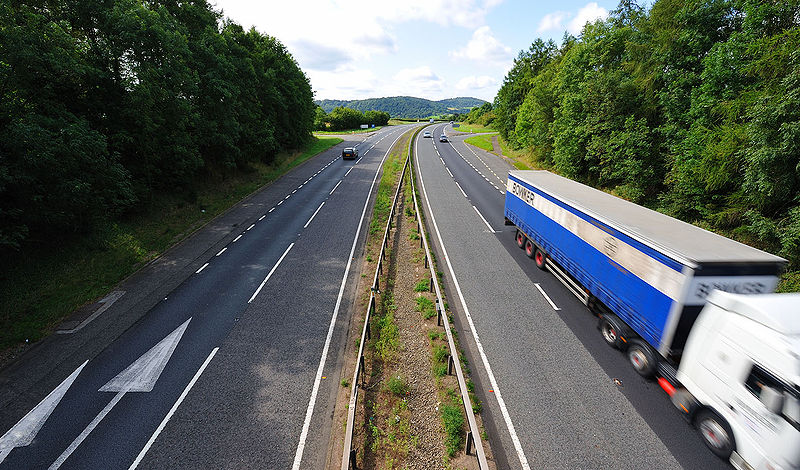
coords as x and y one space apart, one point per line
741 373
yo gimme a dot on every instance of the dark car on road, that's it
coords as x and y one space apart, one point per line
349 153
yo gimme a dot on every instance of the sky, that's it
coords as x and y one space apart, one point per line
434 49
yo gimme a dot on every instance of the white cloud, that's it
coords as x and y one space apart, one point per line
422 80
463 13
347 83
472 83
555 21
336 41
587 14
484 47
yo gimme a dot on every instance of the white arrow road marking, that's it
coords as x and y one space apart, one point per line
25 430
140 376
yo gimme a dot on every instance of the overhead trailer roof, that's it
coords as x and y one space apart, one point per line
679 240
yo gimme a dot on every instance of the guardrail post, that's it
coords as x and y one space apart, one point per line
438 314
426 261
431 284
470 442
361 368
353 459
450 365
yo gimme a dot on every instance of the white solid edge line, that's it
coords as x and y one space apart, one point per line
501 403
334 188
547 297
201 268
314 214
172 410
270 273
484 219
459 188
298 456
221 251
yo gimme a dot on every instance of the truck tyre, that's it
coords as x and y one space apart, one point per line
530 249
611 328
520 237
642 358
715 433
540 258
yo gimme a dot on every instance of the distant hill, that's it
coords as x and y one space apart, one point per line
406 106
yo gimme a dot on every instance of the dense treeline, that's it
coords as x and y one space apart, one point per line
342 118
103 102
406 107
691 107
483 115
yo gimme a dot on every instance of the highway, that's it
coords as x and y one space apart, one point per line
555 395
223 353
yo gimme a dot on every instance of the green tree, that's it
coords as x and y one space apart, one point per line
516 85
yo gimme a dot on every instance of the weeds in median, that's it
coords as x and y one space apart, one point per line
397 385
453 420
426 307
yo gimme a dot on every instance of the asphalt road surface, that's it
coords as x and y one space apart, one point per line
555 395
225 353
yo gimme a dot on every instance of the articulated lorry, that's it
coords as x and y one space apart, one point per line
690 307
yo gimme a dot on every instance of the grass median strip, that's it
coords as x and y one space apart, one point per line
409 409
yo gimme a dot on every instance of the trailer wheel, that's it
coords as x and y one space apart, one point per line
612 330
642 358
520 239
540 258
530 250
715 433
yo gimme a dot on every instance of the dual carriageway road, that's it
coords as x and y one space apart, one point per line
243 347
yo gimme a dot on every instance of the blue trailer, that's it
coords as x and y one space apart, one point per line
645 274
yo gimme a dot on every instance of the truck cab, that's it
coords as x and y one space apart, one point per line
741 369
